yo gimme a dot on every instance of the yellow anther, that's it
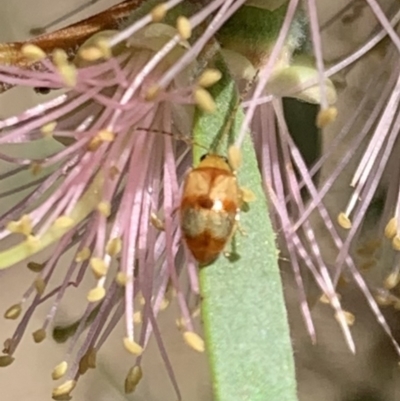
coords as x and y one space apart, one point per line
69 74
184 27
106 136
39 335
152 93
63 222
391 228
90 53
204 100
22 226
48 129
121 279
132 346
158 12
104 45
209 77
392 280
64 389
133 378
60 57
104 208
88 361
59 371
40 285
235 157
82 255
194 341
96 294
396 243
33 52
137 317
326 116
157 222
13 312
99 267
344 221
6 360
114 246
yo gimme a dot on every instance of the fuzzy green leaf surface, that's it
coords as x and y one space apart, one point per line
244 315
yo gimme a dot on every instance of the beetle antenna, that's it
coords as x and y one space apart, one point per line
239 101
178 137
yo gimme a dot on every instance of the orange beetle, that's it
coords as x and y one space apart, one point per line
210 207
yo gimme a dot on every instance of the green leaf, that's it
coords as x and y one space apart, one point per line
245 320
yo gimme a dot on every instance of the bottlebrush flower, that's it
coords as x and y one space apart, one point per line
112 193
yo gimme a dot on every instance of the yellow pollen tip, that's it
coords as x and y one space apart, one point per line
64 389
22 226
141 299
383 300
48 129
326 116
392 280
235 157
204 100
152 93
6 360
59 57
96 294
82 255
121 279
349 318
63 222
247 195
106 136
59 371
103 45
94 144
391 228
157 222
13 312
68 74
325 299
164 304
39 335
133 378
114 246
137 317
132 346
396 243
194 341
99 267
88 361
209 77
104 208
184 27
40 285
180 323
158 12
33 52
91 53
344 221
